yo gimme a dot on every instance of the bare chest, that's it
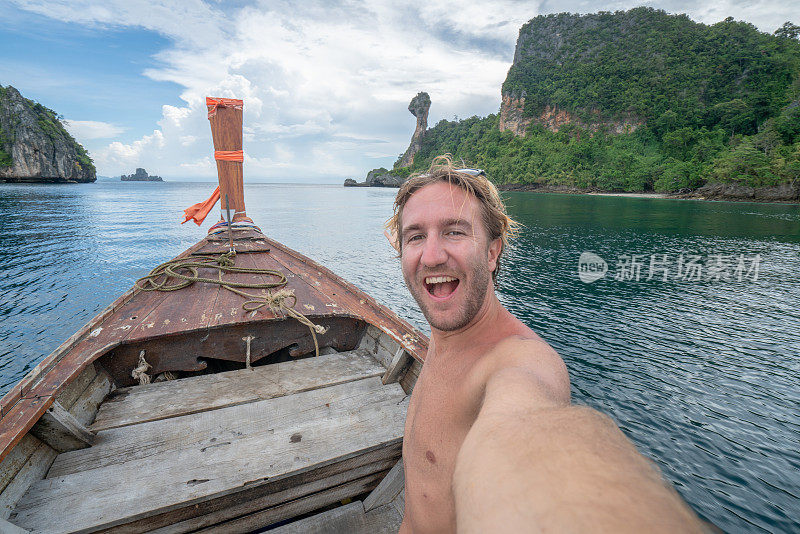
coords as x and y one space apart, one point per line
442 409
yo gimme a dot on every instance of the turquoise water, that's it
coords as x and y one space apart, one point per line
701 373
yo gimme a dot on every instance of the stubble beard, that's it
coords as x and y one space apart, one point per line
473 300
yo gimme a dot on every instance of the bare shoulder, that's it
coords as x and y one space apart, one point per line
525 373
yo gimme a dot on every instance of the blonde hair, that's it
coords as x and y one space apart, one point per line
495 219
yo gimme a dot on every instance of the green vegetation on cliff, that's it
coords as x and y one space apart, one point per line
716 103
35 145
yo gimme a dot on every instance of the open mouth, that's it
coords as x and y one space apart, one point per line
441 287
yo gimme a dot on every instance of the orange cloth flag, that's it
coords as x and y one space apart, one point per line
200 211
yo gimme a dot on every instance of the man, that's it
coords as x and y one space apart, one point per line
492 443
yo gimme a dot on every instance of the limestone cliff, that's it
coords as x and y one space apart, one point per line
513 119
418 107
35 147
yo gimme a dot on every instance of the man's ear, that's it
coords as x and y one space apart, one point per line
494 252
392 237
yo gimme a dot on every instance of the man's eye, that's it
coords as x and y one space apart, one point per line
455 232
414 238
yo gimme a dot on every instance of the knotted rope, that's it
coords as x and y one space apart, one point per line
140 372
160 278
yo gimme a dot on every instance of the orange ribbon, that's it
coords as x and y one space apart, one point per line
229 155
200 211
214 103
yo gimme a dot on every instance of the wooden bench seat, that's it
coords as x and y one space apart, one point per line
322 427
139 404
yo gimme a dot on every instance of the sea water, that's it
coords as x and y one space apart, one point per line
680 319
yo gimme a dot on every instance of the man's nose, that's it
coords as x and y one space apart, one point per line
433 252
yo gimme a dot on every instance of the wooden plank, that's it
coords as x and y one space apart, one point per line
70 394
217 428
272 493
399 365
85 408
311 299
348 518
59 429
385 519
183 310
10 528
399 502
17 458
294 508
391 485
170 479
410 378
32 471
247 506
228 308
132 405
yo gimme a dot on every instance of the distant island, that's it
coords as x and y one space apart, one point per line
35 146
634 101
140 176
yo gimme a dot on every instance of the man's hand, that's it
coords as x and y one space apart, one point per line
532 462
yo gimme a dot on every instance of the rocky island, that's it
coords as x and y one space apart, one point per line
580 111
382 177
35 146
140 176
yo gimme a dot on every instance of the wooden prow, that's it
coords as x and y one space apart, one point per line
225 116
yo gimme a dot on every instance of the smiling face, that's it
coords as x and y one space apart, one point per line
447 258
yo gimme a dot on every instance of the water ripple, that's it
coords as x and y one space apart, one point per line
703 376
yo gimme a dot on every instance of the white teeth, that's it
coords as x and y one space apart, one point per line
439 279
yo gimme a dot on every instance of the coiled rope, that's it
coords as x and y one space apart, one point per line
185 272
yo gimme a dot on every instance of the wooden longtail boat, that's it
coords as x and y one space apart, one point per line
272 413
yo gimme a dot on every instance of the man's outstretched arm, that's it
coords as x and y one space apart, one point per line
532 462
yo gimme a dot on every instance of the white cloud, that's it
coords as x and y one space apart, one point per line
326 85
92 129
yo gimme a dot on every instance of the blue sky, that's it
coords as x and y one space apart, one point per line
325 84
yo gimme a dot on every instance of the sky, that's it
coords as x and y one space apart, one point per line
325 84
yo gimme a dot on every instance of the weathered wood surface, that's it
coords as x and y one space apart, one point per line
385 519
250 446
139 316
246 507
391 485
218 428
10 528
137 404
61 430
85 407
294 508
190 518
28 462
31 470
346 519
398 366
17 458
70 394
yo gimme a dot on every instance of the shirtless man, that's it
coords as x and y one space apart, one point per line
492 443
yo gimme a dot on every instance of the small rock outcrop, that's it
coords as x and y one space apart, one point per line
735 191
376 178
35 147
140 176
418 107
